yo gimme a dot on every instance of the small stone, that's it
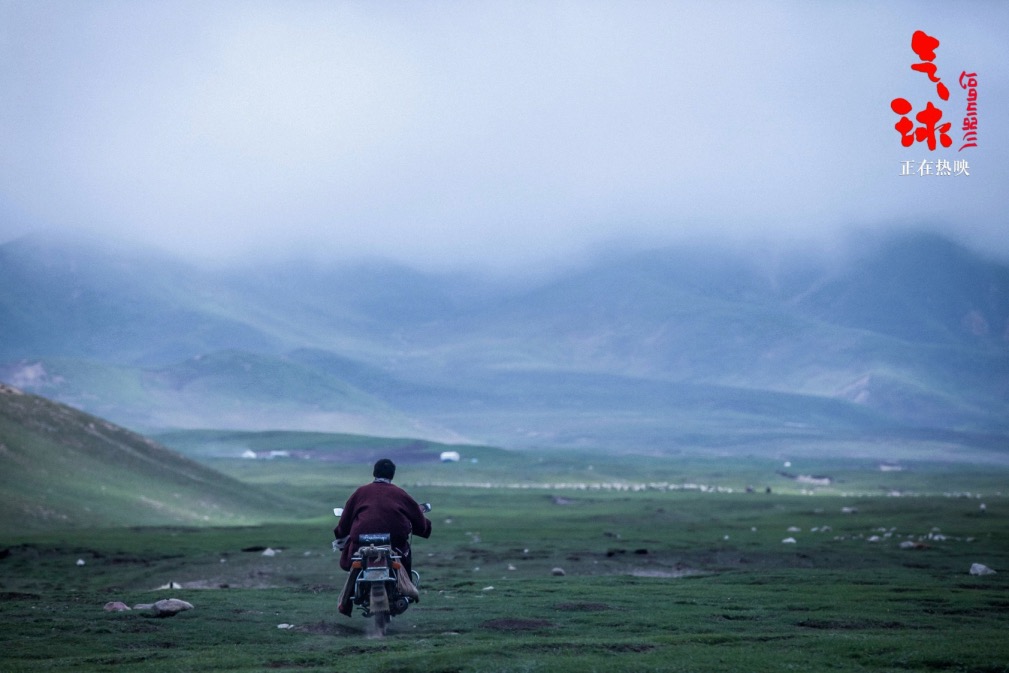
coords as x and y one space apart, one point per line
116 606
171 607
558 572
980 569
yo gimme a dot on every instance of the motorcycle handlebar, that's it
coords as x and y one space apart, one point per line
424 507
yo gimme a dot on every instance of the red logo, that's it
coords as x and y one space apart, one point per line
930 130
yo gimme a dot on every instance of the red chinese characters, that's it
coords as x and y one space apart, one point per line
929 118
925 45
931 131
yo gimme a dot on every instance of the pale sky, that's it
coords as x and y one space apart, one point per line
490 133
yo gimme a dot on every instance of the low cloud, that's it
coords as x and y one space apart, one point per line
494 134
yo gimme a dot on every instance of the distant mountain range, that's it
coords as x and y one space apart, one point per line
661 350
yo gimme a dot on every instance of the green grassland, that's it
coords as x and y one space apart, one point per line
328 465
690 574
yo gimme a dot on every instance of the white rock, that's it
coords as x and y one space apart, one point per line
788 540
559 572
980 569
170 607
116 606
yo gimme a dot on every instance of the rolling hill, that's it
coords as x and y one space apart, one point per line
659 350
61 468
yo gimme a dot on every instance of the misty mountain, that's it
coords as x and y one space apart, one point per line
922 290
657 349
76 299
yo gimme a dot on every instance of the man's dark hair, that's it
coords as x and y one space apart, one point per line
384 469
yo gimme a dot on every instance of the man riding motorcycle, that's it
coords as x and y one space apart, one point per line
379 507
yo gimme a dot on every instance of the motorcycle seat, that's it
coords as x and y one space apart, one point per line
376 539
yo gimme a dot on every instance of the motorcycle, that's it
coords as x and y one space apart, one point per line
378 581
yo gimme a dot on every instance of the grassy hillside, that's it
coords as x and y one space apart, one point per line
60 468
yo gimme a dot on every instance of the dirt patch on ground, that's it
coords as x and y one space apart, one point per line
18 596
621 648
517 624
659 572
582 607
290 664
582 648
848 624
324 628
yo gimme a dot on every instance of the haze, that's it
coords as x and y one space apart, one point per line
490 134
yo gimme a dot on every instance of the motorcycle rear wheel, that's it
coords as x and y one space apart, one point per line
382 620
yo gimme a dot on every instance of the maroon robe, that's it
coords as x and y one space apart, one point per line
381 507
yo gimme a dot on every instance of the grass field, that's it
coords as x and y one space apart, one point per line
656 579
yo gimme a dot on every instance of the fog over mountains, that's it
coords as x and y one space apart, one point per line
901 339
